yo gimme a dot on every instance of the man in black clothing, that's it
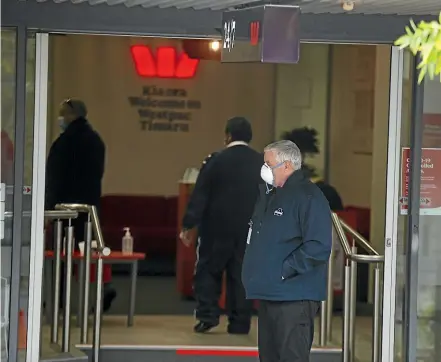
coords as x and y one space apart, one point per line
221 206
75 168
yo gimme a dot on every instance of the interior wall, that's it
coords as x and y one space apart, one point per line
352 122
380 144
358 119
99 70
301 96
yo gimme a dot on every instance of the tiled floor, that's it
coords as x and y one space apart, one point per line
175 330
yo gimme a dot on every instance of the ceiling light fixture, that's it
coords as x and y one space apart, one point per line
348 5
215 45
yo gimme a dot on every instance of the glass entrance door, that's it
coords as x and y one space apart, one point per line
24 75
412 278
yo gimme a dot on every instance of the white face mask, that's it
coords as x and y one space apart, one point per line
62 123
267 174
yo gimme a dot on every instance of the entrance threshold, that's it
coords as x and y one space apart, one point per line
165 353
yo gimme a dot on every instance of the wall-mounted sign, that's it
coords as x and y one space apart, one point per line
165 63
267 34
164 109
430 194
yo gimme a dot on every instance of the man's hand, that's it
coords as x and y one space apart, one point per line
185 237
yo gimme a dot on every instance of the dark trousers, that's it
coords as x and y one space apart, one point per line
214 257
286 330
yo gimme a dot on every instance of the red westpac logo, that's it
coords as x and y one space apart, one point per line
254 32
165 63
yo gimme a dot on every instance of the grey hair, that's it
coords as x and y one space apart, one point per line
286 151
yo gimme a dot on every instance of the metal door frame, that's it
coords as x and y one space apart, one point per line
410 326
392 197
38 193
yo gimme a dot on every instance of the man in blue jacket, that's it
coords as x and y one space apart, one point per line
288 247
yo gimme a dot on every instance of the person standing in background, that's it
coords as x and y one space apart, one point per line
74 172
286 259
306 140
221 206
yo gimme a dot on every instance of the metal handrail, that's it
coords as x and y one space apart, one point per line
340 227
92 223
359 239
48 215
350 292
91 210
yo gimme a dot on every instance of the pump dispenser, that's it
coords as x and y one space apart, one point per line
127 242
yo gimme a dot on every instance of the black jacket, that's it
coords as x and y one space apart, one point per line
225 193
289 245
75 166
331 194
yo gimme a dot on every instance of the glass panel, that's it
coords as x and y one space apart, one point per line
8 148
27 182
429 263
402 219
8 57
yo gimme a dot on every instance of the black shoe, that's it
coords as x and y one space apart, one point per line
109 296
203 327
235 329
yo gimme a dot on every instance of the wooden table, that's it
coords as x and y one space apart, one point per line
115 257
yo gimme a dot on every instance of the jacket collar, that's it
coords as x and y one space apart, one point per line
237 143
75 125
296 177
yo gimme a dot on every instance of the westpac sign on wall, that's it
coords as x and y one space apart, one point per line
267 34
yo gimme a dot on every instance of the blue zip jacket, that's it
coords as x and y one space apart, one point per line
289 243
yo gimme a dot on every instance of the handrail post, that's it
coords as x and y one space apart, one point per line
346 313
376 332
98 310
58 235
353 303
67 288
86 280
330 295
323 319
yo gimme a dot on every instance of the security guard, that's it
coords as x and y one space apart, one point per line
221 206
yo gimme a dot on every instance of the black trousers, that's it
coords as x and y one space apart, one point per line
286 330
214 257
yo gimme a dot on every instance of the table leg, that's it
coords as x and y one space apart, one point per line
48 289
80 284
132 299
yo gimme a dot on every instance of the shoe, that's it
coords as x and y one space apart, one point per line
108 296
203 327
235 329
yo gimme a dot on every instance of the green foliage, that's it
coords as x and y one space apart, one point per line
424 40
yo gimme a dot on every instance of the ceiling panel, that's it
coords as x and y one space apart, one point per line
401 7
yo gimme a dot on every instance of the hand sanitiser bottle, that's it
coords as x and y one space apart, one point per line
127 242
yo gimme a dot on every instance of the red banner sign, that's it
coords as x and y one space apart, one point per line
430 195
